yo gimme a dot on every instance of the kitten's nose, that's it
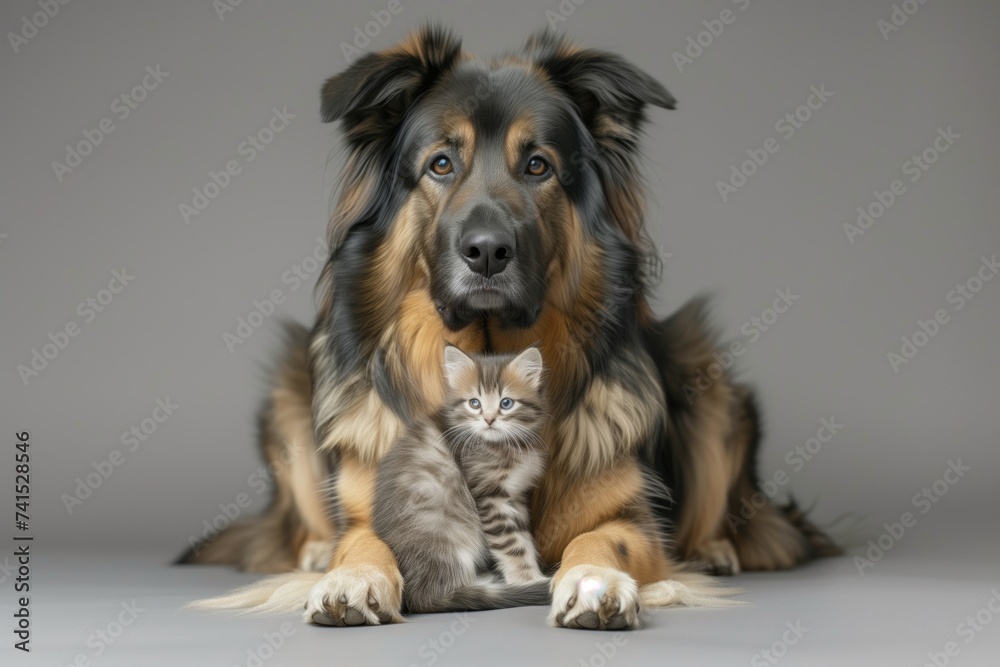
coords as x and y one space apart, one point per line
489 420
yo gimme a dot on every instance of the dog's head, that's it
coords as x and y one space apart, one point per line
489 177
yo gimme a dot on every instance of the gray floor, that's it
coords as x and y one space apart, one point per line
909 604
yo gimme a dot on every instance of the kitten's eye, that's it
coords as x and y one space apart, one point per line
474 403
441 166
536 167
506 403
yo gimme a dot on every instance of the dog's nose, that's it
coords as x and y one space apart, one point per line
487 251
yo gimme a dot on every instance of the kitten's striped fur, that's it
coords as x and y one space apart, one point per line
451 497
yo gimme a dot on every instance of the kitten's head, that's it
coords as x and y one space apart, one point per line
498 398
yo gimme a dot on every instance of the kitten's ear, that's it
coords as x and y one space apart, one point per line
456 364
529 365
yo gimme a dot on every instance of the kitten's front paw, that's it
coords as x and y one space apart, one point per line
355 596
595 598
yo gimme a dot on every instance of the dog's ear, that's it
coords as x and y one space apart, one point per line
370 98
611 96
610 92
382 85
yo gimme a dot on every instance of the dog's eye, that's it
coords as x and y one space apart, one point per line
506 403
536 167
441 165
474 403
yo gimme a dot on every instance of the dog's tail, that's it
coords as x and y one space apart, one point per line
277 594
285 593
688 588
491 594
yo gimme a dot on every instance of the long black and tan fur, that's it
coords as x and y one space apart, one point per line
622 429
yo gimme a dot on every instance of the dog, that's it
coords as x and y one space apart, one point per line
493 205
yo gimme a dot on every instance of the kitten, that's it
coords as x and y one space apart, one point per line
451 497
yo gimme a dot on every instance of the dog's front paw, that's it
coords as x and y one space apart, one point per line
355 596
718 557
595 598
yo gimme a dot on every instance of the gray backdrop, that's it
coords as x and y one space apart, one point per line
220 78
